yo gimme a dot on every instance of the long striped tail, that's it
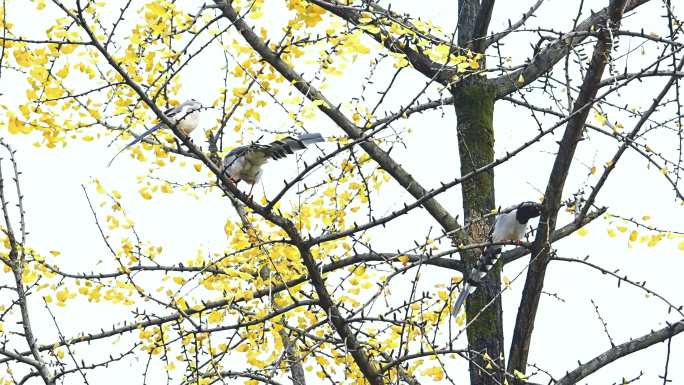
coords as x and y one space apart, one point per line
461 298
281 148
308 139
484 264
136 140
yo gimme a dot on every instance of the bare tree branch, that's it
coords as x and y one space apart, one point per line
554 52
620 351
547 223
418 59
492 39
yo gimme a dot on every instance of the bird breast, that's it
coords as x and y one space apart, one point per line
189 121
507 228
248 166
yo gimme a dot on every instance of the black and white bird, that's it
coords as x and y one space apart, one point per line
185 117
508 226
245 162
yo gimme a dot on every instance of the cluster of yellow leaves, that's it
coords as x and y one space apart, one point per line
271 347
55 72
37 270
159 17
154 337
440 53
341 197
51 77
602 119
436 373
118 218
117 292
649 237
306 14
43 87
33 267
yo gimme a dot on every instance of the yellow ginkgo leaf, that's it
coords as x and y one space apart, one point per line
519 375
521 79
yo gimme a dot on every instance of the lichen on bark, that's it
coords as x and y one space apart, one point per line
474 105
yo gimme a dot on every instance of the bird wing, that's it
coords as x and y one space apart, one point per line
233 155
173 111
246 161
288 145
170 112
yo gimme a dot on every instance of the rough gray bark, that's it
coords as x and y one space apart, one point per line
293 360
620 351
474 106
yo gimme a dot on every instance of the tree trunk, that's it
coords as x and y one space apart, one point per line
474 104
294 362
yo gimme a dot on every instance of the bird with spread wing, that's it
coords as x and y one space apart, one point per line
245 162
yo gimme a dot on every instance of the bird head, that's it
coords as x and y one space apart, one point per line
527 210
193 104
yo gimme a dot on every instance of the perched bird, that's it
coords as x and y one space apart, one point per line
185 117
508 227
244 162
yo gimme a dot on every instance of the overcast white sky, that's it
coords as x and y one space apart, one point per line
59 218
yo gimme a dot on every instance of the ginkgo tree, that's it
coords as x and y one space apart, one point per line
313 284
